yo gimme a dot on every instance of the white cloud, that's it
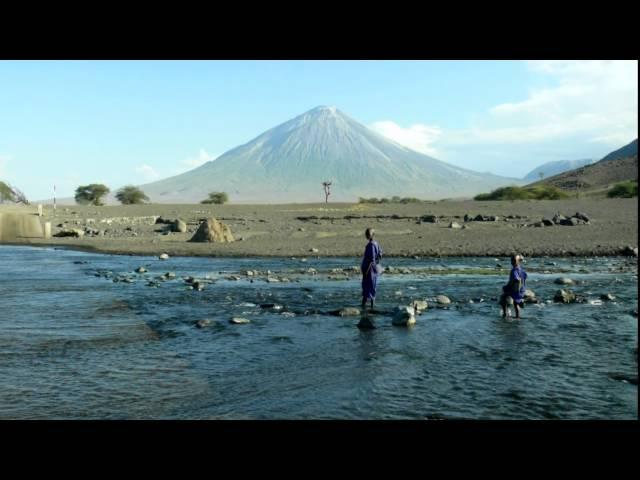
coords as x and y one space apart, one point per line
590 108
417 137
148 172
193 162
595 99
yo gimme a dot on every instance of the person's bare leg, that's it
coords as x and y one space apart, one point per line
372 304
517 310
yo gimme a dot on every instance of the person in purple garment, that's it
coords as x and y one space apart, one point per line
515 288
370 268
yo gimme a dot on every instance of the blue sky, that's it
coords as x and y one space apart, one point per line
122 122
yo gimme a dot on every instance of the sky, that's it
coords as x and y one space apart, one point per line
72 123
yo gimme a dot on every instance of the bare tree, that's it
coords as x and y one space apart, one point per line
327 191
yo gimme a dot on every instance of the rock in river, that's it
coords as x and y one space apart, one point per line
346 312
563 281
443 300
239 321
564 296
403 316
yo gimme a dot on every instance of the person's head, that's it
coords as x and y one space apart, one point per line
515 260
369 233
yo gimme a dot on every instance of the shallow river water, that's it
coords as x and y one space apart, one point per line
75 344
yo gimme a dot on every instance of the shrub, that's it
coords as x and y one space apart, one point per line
218 198
131 195
624 190
539 192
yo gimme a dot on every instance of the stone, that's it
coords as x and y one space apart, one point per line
169 275
211 230
403 316
557 218
478 218
141 270
239 321
70 232
429 218
178 226
563 281
569 222
630 251
313 250
203 323
582 216
420 305
443 300
164 256
366 323
547 223
607 297
197 285
454 225
564 296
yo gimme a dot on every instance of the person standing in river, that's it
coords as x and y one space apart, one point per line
370 268
515 287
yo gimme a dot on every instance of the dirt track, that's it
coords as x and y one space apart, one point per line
338 229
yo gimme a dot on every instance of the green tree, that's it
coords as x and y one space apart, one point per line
6 193
131 195
218 198
91 194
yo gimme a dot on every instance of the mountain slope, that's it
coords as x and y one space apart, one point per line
618 166
550 169
289 163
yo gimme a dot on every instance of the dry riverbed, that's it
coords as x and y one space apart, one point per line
302 230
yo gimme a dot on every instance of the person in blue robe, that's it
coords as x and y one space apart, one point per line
370 268
515 288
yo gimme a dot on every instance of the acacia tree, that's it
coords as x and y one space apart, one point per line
91 194
327 191
218 198
131 195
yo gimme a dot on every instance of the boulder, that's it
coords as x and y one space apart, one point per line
530 296
239 321
467 217
203 323
403 316
454 225
582 216
179 226
607 297
570 222
366 323
557 218
313 250
420 305
564 296
547 222
563 281
141 270
630 251
212 230
478 218
429 218
164 256
443 300
70 232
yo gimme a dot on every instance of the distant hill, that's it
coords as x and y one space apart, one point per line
618 166
627 151
550 169
289 163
